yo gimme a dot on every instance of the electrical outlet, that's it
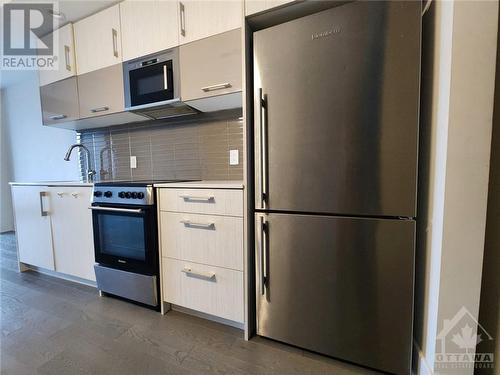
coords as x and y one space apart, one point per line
133 162
234 157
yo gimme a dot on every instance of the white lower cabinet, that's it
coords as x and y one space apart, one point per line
33 226
54 228
201 250
207 239
72 234
211 290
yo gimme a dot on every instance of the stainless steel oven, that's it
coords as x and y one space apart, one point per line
126 241
124 237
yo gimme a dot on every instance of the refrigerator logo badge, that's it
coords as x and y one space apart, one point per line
324 34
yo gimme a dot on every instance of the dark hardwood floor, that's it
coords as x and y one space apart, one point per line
52 326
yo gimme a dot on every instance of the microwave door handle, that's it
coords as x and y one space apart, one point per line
165 77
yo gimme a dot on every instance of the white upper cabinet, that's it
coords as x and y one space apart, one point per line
200 19
256 6
98 40
64 50
148 27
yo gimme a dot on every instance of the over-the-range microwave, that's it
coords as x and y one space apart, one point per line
151 85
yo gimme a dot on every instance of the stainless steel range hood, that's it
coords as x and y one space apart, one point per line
163 110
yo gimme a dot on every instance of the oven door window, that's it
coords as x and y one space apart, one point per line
122 236
152 83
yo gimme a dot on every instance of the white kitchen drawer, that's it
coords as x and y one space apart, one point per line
208 239
217 291
202 201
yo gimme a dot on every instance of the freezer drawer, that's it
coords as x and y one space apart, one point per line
336 101
338 286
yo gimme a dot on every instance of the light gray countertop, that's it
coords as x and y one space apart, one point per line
204 184
52 183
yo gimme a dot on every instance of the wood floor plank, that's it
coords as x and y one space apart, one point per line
54 326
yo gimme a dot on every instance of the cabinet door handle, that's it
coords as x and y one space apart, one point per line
114 34
74 195
57 117
203 275
189 223
197 198
67 59
100 109
165 77
219 86
182 16
42 211
60 194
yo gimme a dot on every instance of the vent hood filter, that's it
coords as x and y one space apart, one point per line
160 112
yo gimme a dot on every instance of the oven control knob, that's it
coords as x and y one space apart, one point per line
140 195
121 194
127 195
97 193
134 195
108 194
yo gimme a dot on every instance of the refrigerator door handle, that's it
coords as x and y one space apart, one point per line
263 148
263 256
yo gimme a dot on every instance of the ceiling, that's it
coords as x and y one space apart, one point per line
70 11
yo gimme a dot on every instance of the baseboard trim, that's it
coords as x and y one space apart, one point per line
61 275
423 367
213 318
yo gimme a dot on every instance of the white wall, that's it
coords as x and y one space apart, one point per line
457 109
34 152
436 77
6 218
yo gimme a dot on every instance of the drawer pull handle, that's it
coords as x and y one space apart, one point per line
189 223
200 199
100 109
57 117
202 275
60 194
219 86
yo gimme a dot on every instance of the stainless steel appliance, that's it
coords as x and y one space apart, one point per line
126 241
336 103
152 87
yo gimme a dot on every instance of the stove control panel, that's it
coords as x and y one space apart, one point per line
137 195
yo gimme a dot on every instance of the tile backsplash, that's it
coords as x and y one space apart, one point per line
191 148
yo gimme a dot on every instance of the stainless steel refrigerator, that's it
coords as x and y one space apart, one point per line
336 103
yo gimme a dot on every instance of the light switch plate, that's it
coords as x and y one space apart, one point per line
133 162
234 158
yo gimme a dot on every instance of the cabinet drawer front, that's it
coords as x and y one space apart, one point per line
212 240
221 73
202 201
101 91
212 290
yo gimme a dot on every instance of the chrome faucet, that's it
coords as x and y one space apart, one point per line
90 172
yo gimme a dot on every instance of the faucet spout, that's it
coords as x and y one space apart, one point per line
90 171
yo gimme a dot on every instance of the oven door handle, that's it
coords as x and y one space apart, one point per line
114 209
